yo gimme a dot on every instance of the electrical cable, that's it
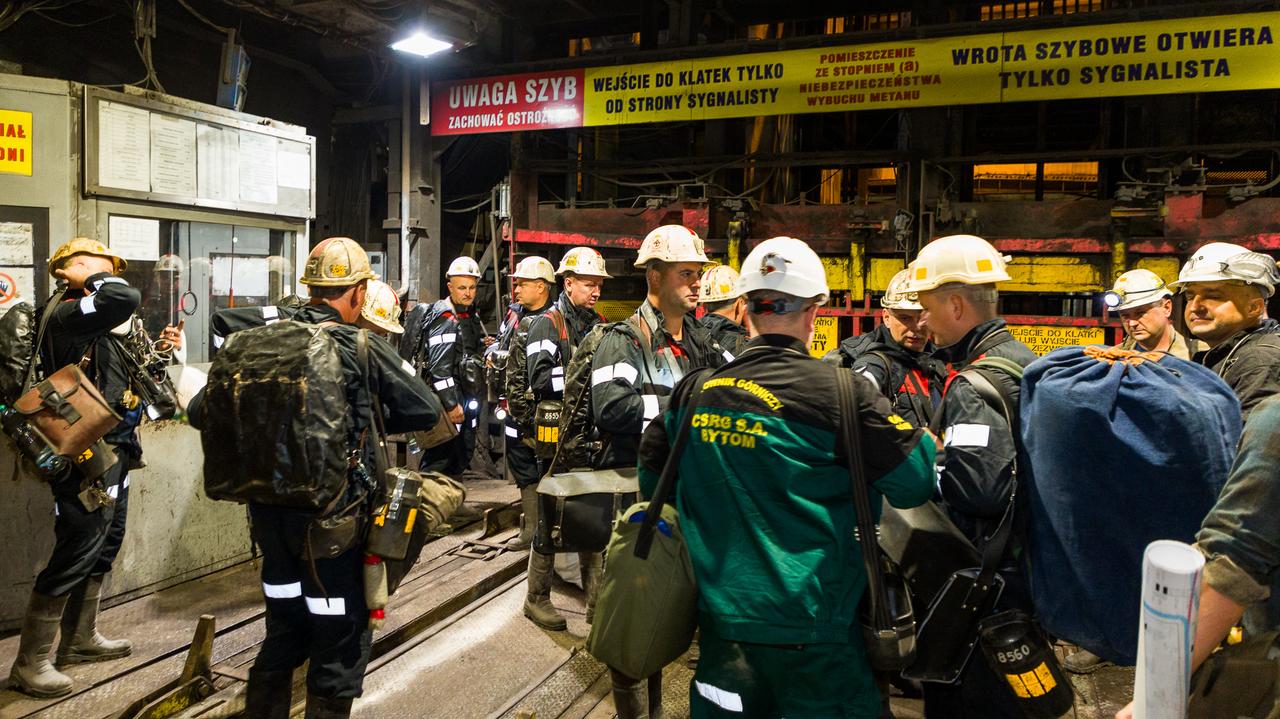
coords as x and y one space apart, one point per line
65 23
203 19
468 209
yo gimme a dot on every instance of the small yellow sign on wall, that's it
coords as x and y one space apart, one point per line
1043 339
826 335
15 142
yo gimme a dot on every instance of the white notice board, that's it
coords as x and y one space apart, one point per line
173 155
134 238
184 154
124 147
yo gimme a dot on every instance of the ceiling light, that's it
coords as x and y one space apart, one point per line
422 44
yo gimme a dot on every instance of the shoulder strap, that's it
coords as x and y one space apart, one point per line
667 480
1004 364
45 314
381 460
994 339
996 396
558 321
920 399
885 363
851 439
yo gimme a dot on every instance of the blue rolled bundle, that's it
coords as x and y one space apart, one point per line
1117 456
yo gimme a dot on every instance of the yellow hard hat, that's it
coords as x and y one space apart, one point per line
84 246
718 284
382 306
337 262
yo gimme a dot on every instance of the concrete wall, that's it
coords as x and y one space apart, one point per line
173 532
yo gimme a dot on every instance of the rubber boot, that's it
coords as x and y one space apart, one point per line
270 694
655 695
32 671
1084 662
81 641
538 606
528 520
637 698
591 565
321 708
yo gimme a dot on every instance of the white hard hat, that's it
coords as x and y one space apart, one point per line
382 306
966 259
671 243
583 261
787 265
1219 261
463 267
719 283
1135 288
896 296
535 268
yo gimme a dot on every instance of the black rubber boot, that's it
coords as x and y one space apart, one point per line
270 694
592 568
529 518
320 708
81 641
655 695
632 699
32 671
537 606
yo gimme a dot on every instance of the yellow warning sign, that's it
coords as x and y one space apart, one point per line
826 335
15 142
1043 339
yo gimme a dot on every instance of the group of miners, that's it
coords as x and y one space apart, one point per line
768 520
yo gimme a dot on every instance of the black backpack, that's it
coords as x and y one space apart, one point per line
279 425
520 399
17 350
579 440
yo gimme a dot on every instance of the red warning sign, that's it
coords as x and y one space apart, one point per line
8 288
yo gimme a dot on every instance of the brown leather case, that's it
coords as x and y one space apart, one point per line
68 410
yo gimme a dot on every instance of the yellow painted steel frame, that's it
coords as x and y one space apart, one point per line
1049 274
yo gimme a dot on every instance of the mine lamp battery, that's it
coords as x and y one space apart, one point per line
393 526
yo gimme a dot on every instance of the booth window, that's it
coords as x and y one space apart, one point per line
196 268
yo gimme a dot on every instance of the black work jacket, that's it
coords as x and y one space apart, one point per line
632 376
442 348
911 381
80 326
731 336
549 351
408 405
976 474
1249 363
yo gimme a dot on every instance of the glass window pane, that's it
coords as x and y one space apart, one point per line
204 267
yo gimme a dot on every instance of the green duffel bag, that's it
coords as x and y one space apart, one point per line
647 606
647 609
1239 681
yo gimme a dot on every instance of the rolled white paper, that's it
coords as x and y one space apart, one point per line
1171 574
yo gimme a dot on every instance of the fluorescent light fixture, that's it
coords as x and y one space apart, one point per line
422 44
